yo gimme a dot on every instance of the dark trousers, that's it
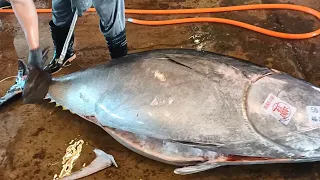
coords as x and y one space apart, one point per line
111 13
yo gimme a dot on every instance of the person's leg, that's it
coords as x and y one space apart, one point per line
112 25
62 16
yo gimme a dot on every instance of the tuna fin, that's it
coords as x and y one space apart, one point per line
201 145
102 161
197 168
233 160
22 68
46 97
17 87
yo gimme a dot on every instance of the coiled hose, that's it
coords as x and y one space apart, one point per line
215 20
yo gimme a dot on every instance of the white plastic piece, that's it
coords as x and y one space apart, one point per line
102 161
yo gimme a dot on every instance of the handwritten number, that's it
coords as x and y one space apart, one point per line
314 110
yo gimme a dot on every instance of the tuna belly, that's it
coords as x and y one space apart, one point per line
190 159
193 160
157 149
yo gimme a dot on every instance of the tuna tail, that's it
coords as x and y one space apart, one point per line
17 87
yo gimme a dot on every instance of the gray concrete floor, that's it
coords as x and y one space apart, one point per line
34 137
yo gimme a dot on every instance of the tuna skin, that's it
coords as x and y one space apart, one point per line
206 105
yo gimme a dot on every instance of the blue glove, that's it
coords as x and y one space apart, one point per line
81 5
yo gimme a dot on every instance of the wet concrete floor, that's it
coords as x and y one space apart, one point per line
34 137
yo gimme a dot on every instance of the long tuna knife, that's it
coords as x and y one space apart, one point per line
66 43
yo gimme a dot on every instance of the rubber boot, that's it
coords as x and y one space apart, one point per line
59 35
5 4
117 45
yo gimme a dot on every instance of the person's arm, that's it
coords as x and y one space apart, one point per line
38 81
26 13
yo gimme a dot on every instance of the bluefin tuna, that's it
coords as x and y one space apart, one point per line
197 110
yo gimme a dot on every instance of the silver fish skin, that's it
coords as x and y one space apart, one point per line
200 100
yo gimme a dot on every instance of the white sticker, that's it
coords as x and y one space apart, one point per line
313 113
279 109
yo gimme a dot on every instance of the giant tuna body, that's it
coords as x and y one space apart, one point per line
197 109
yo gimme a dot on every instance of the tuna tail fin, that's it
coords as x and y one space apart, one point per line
17 87
22 68
197 168
45 54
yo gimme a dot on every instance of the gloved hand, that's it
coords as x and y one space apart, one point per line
81 5
38 81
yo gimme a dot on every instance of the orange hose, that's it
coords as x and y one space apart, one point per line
231 22
216 20
227 9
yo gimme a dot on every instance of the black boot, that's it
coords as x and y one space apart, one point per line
59 35
5 4
117 45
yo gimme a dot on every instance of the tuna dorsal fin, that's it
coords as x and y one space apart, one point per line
183 60
201 145
211 69
197 168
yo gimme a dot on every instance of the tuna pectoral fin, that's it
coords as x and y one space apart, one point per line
102 160
195 169
235 161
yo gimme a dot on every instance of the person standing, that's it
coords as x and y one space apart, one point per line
111 25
